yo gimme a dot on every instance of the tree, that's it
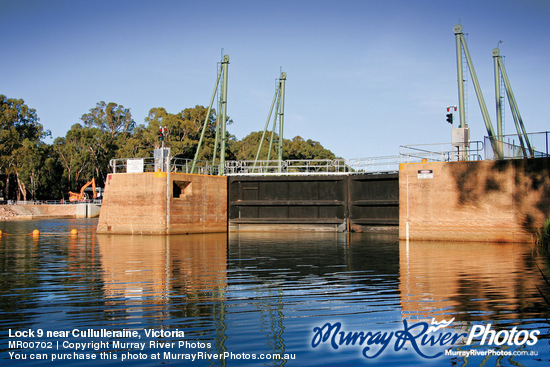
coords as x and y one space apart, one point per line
76 156
52 186
31 168
107 129
246 148
28 159
182 135
297 148
111 118
138 145
20 133
182 129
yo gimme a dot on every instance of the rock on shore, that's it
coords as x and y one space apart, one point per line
6 213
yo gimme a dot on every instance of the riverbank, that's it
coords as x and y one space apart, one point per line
25 212
6 213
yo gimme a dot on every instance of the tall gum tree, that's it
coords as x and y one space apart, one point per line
108 127
19 129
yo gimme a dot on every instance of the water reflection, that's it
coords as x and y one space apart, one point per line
471 281
287 283
163 276
259 292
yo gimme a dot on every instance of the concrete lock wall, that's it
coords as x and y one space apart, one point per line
87 210
157 203
497 201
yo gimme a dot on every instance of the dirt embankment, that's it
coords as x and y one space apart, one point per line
6 213
11 212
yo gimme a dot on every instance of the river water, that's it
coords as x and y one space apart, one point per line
266 299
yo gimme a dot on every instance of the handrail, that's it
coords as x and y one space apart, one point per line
445 152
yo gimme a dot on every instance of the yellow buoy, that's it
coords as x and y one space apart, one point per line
0 233
36 232
74 231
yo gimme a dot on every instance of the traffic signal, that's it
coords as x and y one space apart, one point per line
161 134
450 118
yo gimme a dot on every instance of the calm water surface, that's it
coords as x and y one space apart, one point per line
258 294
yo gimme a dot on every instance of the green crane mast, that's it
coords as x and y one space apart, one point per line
526 148
462 46
220 130
279 102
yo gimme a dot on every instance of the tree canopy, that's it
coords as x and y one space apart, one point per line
32 169
297 148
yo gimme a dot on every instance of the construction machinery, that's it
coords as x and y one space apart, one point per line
81 196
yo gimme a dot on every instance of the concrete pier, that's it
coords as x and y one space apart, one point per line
162 203
494 201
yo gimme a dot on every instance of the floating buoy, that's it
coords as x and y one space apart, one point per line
36 232
0 233
74 232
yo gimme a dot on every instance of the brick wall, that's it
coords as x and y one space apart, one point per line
497 201
143 203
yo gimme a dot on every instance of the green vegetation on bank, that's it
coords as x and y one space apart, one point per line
30 169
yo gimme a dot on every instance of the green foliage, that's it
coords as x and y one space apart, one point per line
110 118
20 146
83 153
31 169
182 136
297 148
51 183
246 149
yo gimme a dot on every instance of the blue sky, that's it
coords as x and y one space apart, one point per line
364 77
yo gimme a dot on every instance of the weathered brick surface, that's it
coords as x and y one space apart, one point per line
498 201
201 207
144 203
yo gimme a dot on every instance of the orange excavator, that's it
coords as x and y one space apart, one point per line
74 196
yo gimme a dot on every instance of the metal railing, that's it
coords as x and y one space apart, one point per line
149 164
184 165
443 152
512 148
379 164
276 167
372 165
262 167
120 165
